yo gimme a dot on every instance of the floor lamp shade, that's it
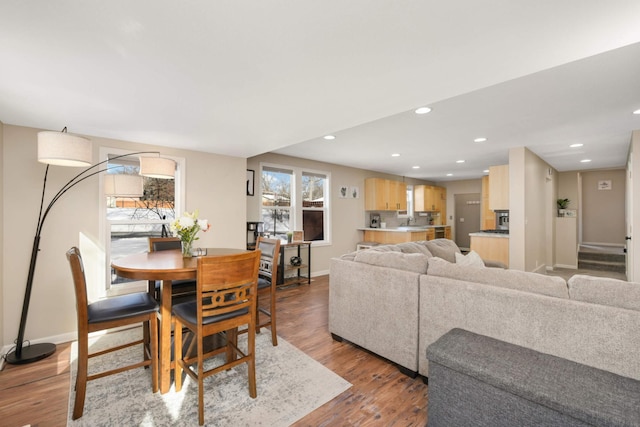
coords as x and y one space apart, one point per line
157 167
123 185
64 149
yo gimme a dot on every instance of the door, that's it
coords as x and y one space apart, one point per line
467 217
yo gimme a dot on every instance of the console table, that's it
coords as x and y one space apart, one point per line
285 268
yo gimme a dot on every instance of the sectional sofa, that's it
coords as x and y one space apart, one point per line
395 300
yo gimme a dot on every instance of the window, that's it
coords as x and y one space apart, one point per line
313 210
295 199
130 221
276 185
409 212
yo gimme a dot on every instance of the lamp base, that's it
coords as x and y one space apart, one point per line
31 353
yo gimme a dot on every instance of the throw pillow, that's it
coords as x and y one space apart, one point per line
472 259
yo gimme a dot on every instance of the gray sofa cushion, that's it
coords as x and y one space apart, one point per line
443 248
605 291
513 279
414 262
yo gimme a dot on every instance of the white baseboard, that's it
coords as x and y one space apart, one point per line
571 267
320 273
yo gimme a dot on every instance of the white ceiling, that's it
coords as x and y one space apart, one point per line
246 77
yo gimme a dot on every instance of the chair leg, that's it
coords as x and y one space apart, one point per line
252 362
81 376
200 339
272 313
153 332
177 338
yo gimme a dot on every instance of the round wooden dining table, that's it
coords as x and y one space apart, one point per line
165 266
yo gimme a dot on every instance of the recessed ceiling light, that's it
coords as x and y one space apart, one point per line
482 139
485 171
585 161
329 137
636 112
423 110
576 145
395 155
459 161
449 174
416 167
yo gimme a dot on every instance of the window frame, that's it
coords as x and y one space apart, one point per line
105 224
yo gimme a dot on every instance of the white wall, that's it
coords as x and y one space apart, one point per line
214 184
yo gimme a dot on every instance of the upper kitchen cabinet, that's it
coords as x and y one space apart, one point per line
428 198
384 195
499 188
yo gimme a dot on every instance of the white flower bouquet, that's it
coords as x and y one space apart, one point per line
187 227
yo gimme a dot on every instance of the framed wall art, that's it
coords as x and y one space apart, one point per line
251 176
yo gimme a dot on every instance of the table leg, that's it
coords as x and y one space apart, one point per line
165 337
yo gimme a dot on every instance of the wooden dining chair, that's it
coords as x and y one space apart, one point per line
119 311
181 290
267 279
225 300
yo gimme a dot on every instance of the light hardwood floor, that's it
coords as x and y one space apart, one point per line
38 393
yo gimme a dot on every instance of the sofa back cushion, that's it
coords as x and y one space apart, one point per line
513 279
414 262
605 291
443 248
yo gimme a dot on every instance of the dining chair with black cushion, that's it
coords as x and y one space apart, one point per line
267 278
225 300
181 290
114 312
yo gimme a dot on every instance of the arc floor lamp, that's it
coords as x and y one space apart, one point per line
65 149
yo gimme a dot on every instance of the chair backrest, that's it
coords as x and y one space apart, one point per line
270 249
164 243
227 283
80 284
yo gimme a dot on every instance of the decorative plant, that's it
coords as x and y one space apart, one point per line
186 227
563 203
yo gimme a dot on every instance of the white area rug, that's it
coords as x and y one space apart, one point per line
290 385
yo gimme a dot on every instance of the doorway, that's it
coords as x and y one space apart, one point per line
467 218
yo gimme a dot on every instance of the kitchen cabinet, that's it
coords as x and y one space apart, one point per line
384 195
499 188
429 198
491 247
487 216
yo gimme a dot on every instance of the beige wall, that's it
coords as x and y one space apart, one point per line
2 340
603 210
532 196
214 184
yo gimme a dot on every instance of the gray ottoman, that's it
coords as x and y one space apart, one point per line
475 380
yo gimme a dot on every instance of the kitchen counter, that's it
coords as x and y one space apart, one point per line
402 234
489 234
409 229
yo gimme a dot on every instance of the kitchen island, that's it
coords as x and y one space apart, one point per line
491 246
404 234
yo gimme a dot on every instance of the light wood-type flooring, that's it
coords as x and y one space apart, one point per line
38 393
